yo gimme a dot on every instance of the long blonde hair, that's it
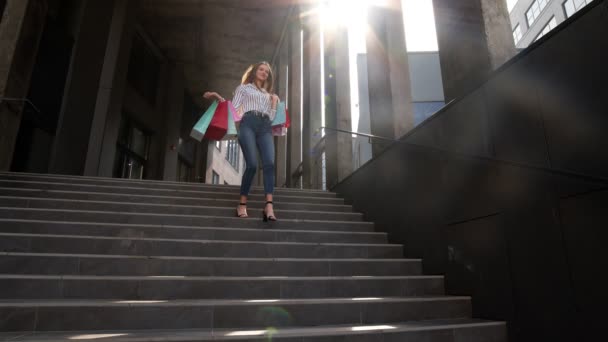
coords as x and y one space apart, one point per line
249 76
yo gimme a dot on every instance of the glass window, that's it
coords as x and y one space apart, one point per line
139 141
215 178
517 34
550 26
185 171
132 148
535 10
232 154
572 6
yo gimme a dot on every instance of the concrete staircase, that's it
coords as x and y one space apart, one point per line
121 260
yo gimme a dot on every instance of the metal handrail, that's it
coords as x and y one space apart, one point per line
472 156
370 136
23 100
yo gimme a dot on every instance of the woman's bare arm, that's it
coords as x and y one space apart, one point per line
213 95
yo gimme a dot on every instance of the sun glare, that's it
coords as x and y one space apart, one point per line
373 327
419 26
247 333
346 13
94 336
419 23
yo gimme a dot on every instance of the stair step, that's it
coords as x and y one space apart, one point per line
138 189
184 232
62 315
179 220
129 207
160 184
49 243
166 200
127 265
455 330
180 287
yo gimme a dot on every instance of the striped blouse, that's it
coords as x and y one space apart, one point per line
248 97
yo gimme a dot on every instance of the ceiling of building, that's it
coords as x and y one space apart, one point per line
215 40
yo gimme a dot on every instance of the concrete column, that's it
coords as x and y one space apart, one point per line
390 99
111 86
281 142
312 100
474 38
401 88
21 27
74 129
339 160
174 107
294 102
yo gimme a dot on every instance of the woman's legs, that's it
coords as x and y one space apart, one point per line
247 140
265 144
256 132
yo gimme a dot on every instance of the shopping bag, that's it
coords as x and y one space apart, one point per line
287 119
279 118
231 133
219 123
279 131
200 128
281 121
235 114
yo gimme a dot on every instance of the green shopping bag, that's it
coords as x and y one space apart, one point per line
199 130
231 133
280 117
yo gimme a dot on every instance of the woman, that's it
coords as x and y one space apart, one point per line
254 98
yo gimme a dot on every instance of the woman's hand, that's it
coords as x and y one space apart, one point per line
211 94
274 99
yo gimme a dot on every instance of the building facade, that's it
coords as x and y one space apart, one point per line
225 163
532 19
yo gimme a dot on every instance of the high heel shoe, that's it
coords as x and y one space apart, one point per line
265 217
243 215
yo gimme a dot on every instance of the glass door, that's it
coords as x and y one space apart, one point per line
132 149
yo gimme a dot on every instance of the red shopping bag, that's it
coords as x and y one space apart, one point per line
219 124
287 119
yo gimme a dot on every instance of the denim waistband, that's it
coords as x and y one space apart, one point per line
257 114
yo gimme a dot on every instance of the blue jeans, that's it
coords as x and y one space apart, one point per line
255 131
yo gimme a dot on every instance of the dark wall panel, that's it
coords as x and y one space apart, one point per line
469 189
585 221
404 214
428 133
573 93
542 293
515 118
464 128
478 265
527 242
